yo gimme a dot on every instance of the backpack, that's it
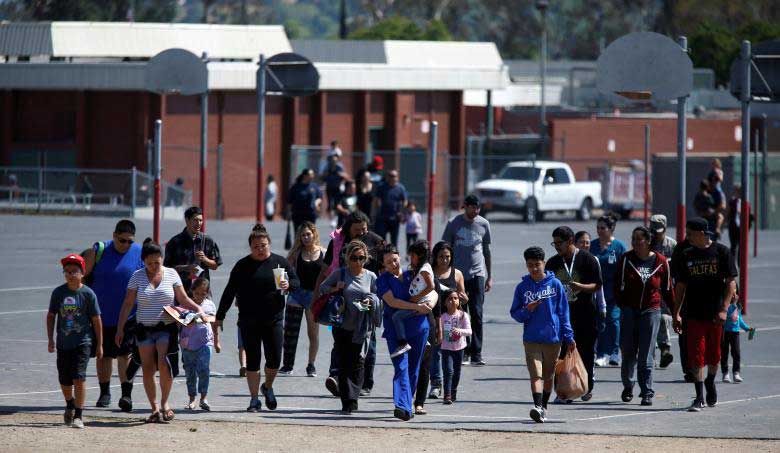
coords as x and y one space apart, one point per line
99 248
329 308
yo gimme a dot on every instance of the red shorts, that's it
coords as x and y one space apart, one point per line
703 341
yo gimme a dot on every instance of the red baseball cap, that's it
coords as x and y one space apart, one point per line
74 259
378 162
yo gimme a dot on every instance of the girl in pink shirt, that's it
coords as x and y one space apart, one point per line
456 326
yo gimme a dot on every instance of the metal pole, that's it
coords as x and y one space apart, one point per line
433 140
220 207
681 143
157 169
149 157
543 75
764 170
41 163
755 192
204 143
533 190
260 82
647 174
744 223
133 188
490 120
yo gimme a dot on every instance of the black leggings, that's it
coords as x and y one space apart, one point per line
423 377
293 315
269 336
729 340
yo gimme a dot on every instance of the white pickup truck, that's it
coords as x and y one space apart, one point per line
535 188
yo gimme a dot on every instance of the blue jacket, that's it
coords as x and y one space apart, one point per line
734 326
549 323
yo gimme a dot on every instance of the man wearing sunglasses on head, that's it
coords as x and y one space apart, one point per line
109 266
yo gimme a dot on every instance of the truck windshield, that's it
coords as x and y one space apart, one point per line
520 173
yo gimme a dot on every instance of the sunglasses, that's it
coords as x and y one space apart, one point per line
125 241
357 258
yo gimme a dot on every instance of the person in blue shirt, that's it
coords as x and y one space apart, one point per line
540 304
390 201
304 199
608 250
110 265
730 340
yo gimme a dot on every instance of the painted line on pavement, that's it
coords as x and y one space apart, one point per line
25 288
21 312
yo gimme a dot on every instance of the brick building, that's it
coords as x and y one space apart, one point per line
75 91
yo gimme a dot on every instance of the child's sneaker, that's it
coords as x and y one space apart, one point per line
68 417
727 378
400 350
205 405
737 377
536 414
77 423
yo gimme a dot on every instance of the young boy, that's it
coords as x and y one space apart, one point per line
75 308
540 304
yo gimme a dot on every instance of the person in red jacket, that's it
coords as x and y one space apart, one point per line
642 282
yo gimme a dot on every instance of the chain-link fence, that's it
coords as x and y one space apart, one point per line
100 191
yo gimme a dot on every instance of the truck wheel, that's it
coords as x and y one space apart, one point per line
531 211
585 211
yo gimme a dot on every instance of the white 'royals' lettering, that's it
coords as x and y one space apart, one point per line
545 293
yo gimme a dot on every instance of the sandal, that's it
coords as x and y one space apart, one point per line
154 418
420 410
168 415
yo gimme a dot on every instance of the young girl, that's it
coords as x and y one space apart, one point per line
421 291
731 328
413 224
456 326
196 340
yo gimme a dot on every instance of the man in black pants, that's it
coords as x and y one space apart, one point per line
580 274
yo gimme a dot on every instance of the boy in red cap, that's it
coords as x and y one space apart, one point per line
74 306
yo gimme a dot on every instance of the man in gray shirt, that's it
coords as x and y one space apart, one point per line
469 236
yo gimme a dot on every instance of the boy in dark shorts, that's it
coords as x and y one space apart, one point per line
74 307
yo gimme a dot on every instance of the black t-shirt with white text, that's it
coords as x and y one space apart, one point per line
705 273
585 270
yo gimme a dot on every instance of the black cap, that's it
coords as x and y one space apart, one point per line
697 224
471 200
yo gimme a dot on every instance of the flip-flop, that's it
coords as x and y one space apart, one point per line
419 410
154 418
168 415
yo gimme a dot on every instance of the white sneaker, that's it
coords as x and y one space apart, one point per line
601 361
737 377
400 351
727 378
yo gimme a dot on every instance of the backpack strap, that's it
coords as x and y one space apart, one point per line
100 247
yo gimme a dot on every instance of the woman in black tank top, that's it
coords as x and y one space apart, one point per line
306 257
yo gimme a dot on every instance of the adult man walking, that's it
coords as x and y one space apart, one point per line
705 287
664 245
390 200
109 265
469 236
192 253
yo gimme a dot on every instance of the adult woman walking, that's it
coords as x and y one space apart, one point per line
393 287
365 193
642 282
608 250
152 289
304 198
449 278
361 316
260 311
306 257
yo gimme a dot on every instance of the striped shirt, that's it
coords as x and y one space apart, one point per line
150 300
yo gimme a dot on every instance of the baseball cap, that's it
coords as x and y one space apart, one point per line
698 224
658 223
471 200
378 162
74 259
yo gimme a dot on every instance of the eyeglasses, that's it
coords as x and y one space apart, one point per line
73 272
125 241
357 258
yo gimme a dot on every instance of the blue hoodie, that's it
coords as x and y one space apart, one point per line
550 321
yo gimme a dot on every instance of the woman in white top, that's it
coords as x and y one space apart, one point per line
151 289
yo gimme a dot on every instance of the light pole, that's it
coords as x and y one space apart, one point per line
542 5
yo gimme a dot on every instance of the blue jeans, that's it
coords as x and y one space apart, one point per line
451 361
609 338
637 339
436 365
398 323
196 367
407 368
475 288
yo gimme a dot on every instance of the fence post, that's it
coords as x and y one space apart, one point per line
40 179
220 207
764 176
133 188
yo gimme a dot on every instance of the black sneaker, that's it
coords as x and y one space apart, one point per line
365 392
646 401
627 395
332 385
68 417
696 406
666 359
126 404
711 394
286 370
587 396
104 400
477 361
402 414
254 405
270 398
311 371
536 414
